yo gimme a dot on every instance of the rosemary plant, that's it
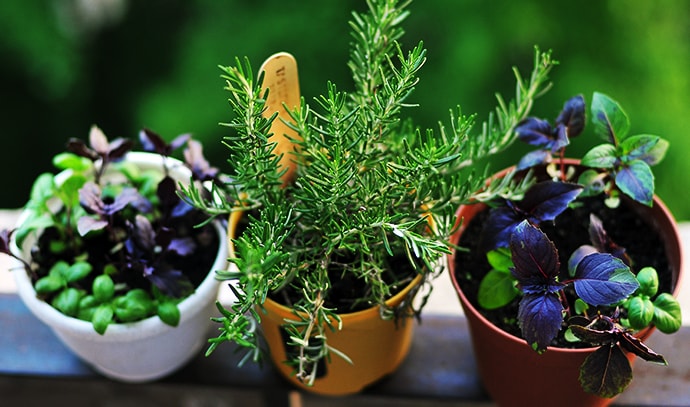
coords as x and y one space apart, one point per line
373 191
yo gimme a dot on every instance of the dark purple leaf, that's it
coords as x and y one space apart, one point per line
603 243
594 337
153 142
195 160
536 132
579 254
499 226
540 317
171 282
90 198
182 247
605 372
118 148
544 201
572 117
167 193
80 148
143 235
5 238
601 279
535 260
86 224
632 344
534 158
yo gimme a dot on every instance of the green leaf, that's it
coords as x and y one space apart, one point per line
645 147
496 289
593 181
134 306
609 119
580 306
71 161
640 312
169 313
102 317
50 284
87 306
500 259
606 372
637 181
77 271
667 313
649 281
103 288
67 301
69 190
601 156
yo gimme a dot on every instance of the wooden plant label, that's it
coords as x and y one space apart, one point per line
281 79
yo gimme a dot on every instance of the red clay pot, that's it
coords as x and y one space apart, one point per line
513 374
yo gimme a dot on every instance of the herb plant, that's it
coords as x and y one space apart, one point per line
373 202
113 242
600 296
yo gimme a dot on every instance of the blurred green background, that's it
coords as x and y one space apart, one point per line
68 64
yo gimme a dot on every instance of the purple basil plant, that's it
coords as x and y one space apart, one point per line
602 299
122 245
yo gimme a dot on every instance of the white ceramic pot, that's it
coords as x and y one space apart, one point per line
140 351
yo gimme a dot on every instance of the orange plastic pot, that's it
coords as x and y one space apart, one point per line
376 346
512 373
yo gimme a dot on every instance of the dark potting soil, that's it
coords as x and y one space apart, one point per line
568 232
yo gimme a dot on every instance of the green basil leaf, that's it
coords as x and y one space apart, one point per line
667 314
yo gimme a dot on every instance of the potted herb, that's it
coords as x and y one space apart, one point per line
113 260
564 277
359 229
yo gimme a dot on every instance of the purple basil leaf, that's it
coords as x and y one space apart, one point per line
601 279
167 193
606 372
183 246
86 224
195 160
499 226
540 317
98 141
603 243
544 201
535 260
579 254
118 148
5 238
594 337
635 345
536 132
80 148
560 138
152 142
90 198
181 209
124 198
171 282
142 234
573 116
534 158
637 181
179 141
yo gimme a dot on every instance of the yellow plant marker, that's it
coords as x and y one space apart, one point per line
281 79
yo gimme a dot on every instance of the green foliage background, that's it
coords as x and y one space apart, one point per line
154 63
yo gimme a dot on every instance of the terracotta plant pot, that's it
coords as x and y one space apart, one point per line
376 346
515 375
140 351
